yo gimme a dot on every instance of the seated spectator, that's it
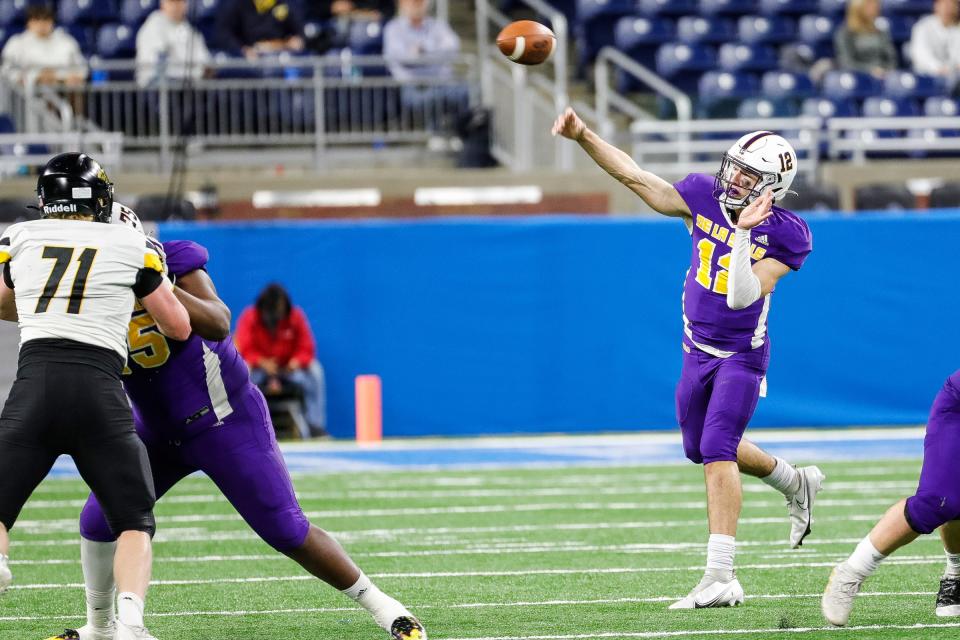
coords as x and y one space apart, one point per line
860 45
254 28
44 49
416 46
352 9
275 340
935 42
168 46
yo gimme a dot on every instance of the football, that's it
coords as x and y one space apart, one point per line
527 42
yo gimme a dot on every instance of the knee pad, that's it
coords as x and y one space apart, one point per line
93 524
926 511
146 523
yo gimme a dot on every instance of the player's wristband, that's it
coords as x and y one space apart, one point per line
743 285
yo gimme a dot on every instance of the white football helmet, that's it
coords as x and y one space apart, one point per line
124 215
756 161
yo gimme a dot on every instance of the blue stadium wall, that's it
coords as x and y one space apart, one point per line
570 324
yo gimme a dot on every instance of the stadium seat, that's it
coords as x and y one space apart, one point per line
783 84
882 107
832 8
720 93
135 12
912 7
86 37
6 124
899 27
947 195
788 7
728 7
682 64
366 37
85 12
940 106
764 29
830 108
639 37
814 29
709 30
589 10
116 41
753 108
891 197
11 12
747 57
849 84
904 84
202 11
666 7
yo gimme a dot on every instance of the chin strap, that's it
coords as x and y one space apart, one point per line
743 285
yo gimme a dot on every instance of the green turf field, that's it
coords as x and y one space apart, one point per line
556 553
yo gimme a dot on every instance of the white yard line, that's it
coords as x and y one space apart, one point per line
474 605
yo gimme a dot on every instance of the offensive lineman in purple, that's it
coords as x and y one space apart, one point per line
196 410
742 246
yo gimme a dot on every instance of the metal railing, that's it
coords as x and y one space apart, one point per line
18 150
655 144
524 101
284 104
859 138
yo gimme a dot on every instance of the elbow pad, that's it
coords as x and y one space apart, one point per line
743 285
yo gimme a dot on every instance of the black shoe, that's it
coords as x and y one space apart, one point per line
407 628
68 634
948 598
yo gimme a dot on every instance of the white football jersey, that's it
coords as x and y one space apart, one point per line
74 279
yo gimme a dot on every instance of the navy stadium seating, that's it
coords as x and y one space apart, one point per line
941 106
830 108
117 41
788 7
705 30
752 108
728 7
366 37
850 84
85 12
747 57
765 29
639 37
134 12
910 85
667 7
11 12
783 84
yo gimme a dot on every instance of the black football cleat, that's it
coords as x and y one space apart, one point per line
68 634
407 628
948 598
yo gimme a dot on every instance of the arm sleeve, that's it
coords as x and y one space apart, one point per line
7 278
148 281
244 337
743 285
304 351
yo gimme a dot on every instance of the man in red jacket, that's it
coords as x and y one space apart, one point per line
274 338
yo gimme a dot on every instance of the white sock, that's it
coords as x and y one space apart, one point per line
865 559
784 477
720 551
382 607
130 609
97 561
953 565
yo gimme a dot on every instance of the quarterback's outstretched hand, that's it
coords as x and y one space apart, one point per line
757 211
569 125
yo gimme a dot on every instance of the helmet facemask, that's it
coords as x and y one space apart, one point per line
737 184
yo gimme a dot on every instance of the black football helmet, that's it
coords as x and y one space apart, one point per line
75 183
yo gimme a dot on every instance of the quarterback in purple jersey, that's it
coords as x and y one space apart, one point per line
742 246
196 410
936 503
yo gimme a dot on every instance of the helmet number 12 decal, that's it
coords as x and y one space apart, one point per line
62 257
786 161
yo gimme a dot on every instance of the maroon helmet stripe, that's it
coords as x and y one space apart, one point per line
762 134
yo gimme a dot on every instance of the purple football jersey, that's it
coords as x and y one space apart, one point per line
707 319
181 388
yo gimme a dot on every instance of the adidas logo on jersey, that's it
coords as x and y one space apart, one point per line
762 239
60 208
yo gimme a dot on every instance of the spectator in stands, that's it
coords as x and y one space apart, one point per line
50 52
275 340
860 45
259 27
350 9
935 42
168 46
413 44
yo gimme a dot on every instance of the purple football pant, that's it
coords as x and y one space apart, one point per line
242 458
716 398
937 500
